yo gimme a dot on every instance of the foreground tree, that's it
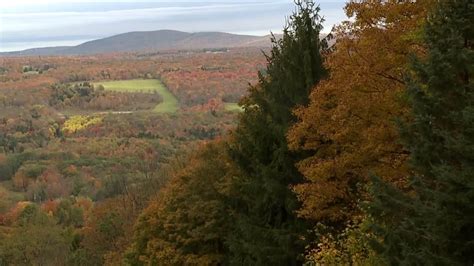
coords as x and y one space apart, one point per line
434 222
347 131
189 221
267 230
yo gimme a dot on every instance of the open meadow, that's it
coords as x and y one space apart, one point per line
169 102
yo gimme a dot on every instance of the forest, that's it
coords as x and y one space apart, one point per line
356 148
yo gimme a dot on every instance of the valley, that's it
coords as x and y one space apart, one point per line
350 145
92 131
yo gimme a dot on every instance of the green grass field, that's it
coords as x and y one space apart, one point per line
169 104
233 107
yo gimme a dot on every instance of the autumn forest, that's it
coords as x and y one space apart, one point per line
349 148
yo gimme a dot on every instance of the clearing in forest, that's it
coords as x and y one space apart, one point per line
169 104
233 107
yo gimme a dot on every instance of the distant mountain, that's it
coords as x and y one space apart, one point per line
152 41
38 51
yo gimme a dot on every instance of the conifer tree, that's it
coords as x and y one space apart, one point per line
433 222
267 230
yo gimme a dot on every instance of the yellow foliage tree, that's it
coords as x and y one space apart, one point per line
80 122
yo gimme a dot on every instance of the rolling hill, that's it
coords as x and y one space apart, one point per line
160 40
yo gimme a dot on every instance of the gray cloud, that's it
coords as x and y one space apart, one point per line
57 24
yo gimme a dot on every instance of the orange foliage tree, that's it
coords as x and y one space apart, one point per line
348 128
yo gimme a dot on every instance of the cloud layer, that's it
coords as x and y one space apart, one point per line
52 23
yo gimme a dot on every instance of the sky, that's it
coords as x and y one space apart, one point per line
40 23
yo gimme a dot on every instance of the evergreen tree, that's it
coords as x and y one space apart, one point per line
267 230
433 223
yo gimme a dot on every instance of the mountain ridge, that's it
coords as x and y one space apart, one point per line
159 40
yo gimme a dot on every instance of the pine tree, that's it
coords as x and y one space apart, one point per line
267 230
433 222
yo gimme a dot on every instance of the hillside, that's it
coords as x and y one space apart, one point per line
152 41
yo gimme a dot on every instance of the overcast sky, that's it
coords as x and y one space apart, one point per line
38 23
